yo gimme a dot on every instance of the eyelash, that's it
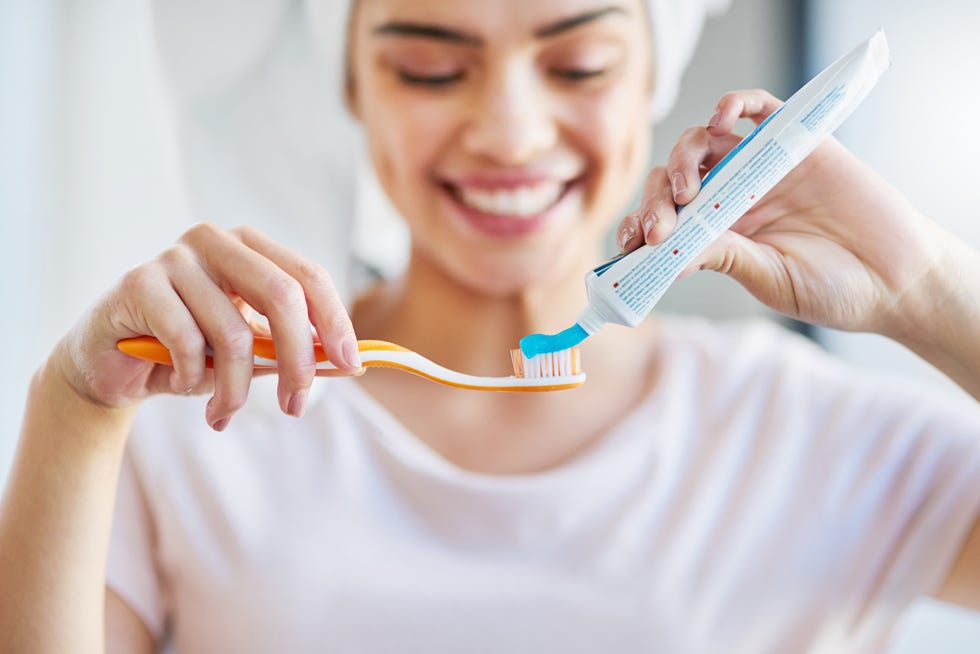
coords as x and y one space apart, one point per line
579 74
429 80
439 81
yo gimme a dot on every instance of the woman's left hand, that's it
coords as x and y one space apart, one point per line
831 244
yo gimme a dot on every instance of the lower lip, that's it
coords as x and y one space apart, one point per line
499 226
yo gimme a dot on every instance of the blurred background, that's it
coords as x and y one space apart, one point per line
107 155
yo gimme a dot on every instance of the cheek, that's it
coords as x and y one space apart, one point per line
618 137
404 139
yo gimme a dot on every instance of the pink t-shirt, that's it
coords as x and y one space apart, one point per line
764 498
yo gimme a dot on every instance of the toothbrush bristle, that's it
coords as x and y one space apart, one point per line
550 364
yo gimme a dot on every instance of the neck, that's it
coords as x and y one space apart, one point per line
465 330
428 311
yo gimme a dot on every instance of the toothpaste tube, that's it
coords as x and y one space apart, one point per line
624 290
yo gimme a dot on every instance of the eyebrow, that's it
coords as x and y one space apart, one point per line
574 21
437 32
421 30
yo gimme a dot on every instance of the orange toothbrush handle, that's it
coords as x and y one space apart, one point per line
149 348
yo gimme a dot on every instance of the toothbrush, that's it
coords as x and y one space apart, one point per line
559 371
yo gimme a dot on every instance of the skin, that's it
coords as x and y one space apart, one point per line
468 295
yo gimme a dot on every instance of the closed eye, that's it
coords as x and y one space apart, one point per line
578 74
430 80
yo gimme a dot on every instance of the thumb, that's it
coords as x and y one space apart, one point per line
758 267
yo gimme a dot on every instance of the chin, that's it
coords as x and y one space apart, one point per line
503 276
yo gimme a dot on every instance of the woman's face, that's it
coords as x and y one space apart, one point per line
508 133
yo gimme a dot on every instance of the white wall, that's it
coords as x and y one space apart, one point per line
26 98
88 167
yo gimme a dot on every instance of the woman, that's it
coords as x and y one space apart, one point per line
706 490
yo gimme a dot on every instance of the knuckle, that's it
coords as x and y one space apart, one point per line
176 256
284 291
301 376
688 153
692 134
247 233
140 281
200 232
653 200
187 344
655 182
235 341
729 97
338 325
657 171
316 277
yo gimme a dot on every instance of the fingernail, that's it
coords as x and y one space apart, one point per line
219 425
649 220
177 384
677 183
297 403
626 236
715 119
351 354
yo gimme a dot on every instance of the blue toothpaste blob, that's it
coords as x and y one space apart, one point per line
535 344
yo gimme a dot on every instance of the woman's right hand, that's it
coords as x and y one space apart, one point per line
198 293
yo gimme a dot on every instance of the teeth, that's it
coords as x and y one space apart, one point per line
522 201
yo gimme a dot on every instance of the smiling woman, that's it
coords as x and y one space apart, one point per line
711 488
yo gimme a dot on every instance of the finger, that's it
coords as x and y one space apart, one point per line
657 214
629 234
161 381
694 153
335 372
240 270
256 321
756 266
684 163
754 104
326 311
223 327
160 312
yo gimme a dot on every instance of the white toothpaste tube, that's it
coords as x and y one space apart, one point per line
624 290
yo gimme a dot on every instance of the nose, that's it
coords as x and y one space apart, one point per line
510 121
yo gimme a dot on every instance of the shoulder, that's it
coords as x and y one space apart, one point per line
722 354
734 364
785 377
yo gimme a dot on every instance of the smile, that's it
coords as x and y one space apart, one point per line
518 202
509 204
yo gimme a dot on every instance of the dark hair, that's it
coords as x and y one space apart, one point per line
348 89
